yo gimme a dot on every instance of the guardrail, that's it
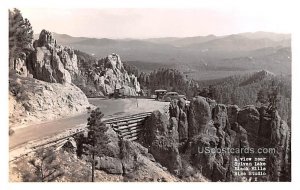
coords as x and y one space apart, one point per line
128 127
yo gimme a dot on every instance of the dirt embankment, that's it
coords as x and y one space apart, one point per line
32 101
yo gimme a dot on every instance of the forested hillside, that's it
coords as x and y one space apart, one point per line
243 90
170 80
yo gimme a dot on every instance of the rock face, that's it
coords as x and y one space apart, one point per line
69 60
280 139
177 112
219 116
215 133
162 140
266 129
51 62
132 154
248 117
213 127
45 39
183 127
265 120
232 111
210 164
33 100
241 138
20 65
199 115
114 62
112 76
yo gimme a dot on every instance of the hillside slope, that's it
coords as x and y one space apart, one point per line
32 101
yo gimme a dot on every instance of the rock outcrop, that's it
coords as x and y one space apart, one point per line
248 117
211 131
265 120
162 140
280 139
266 129
20 65
212 165
214 133
232 111
54 63
241 137
199 115
177 112
112 76
50 62
220 116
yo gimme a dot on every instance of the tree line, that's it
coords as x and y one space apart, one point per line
20 36
168 79
241 91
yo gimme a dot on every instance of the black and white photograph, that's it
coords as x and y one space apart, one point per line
150 94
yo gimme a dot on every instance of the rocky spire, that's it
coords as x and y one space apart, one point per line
46 39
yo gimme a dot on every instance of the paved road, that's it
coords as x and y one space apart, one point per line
110 108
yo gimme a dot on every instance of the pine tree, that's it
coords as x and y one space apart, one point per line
97 139
20 36
273 97
262 96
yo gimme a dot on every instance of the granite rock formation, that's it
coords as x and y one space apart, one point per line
232 111
280 140
162 139
214 128
177 112
111 76
51 62
199 115
248 117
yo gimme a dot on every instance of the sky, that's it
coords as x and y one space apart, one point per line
165 21
218 17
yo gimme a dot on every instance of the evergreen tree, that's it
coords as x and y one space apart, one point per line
97 139
20 36
274 97
269 96
262 96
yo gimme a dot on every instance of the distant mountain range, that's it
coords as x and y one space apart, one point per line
201 57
